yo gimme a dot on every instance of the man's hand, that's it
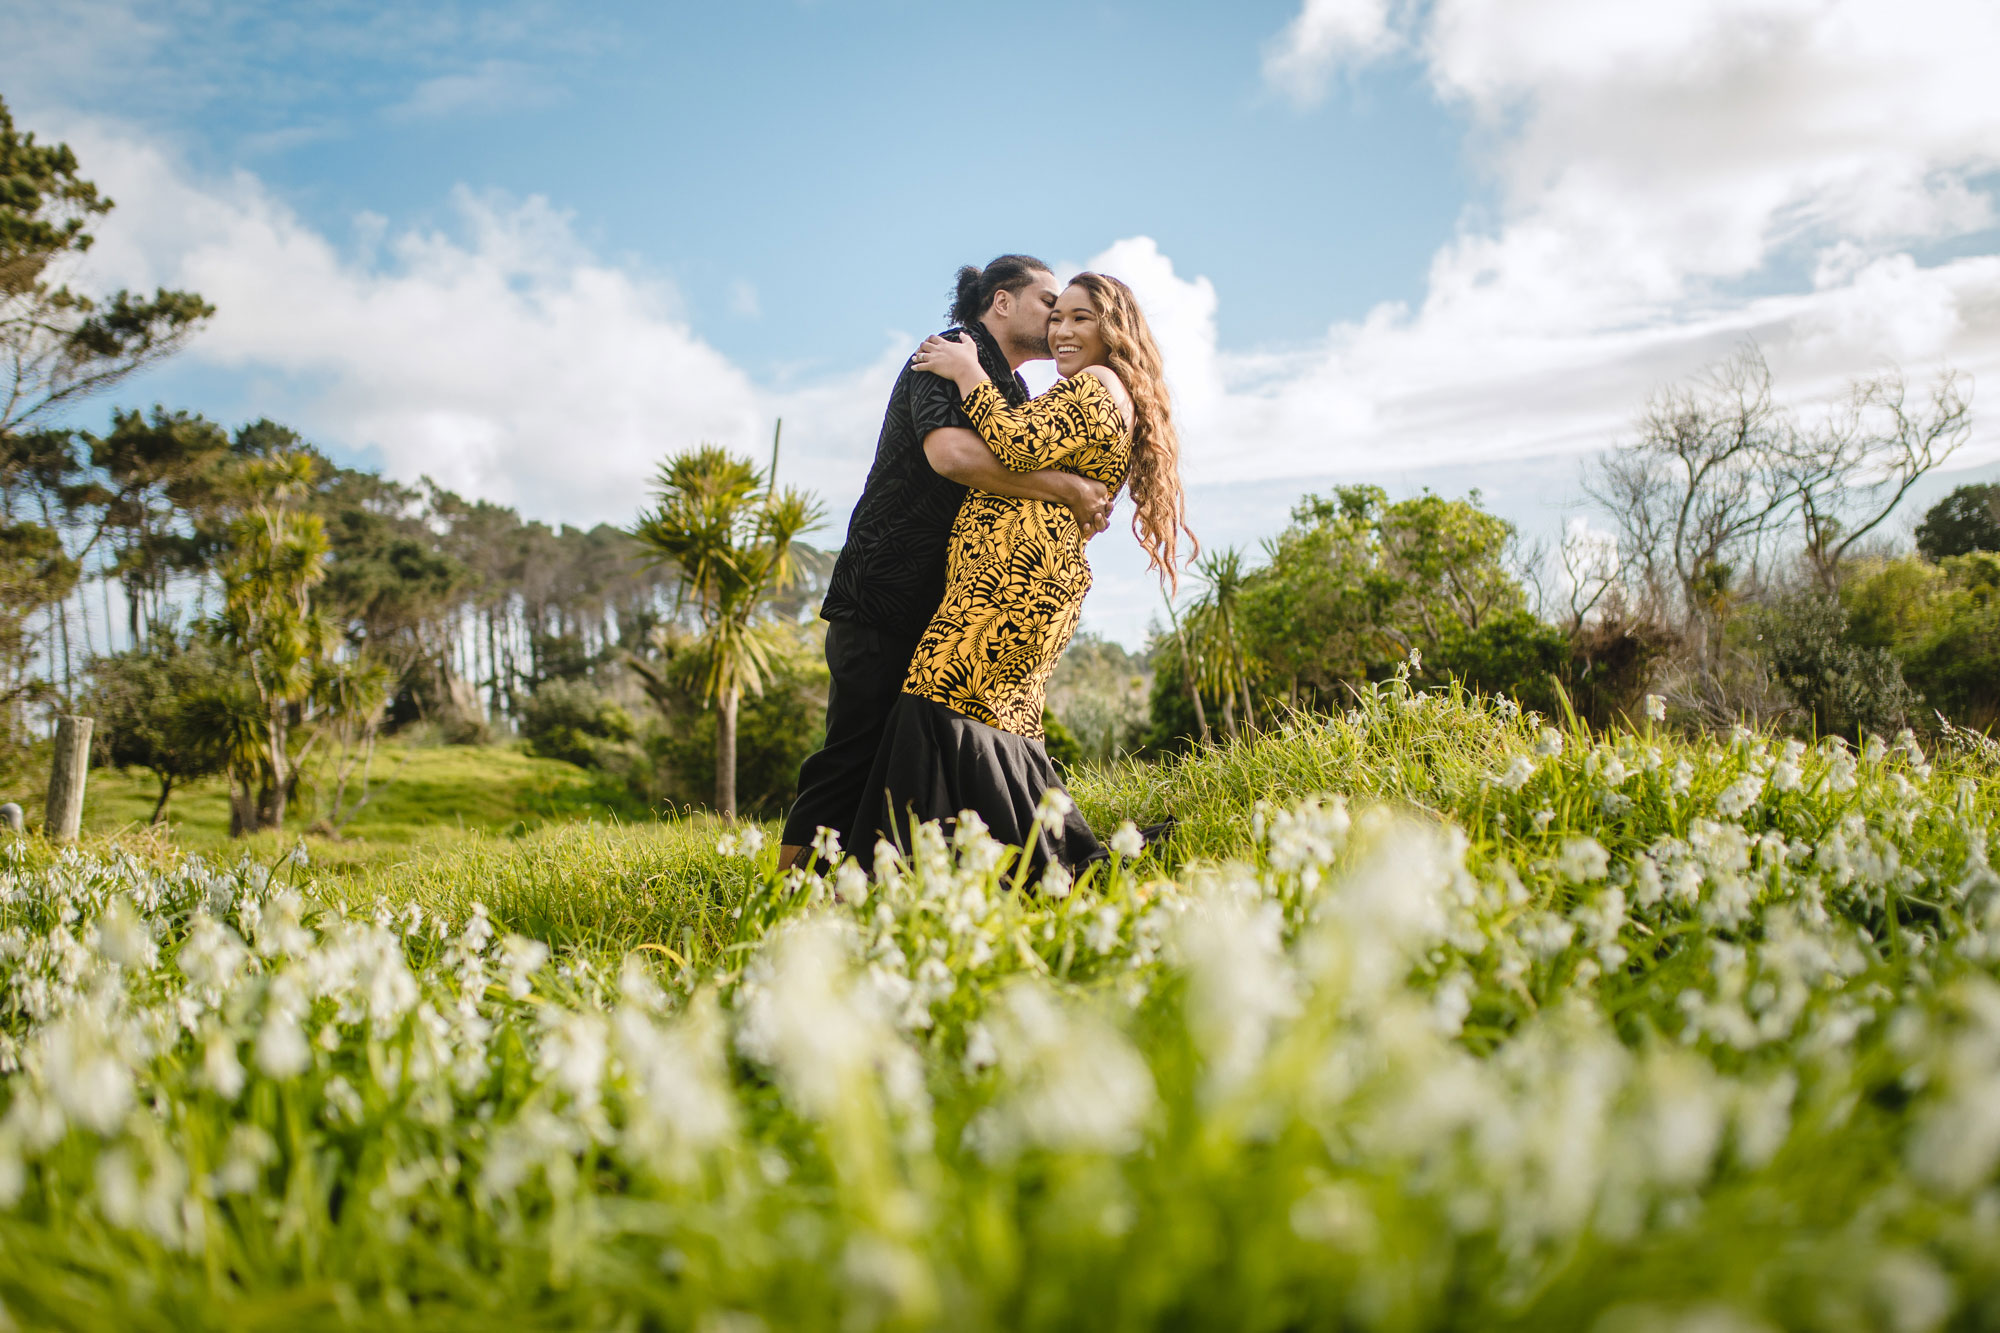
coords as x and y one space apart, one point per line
1091 502
961 456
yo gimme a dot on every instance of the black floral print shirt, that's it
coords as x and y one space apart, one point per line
890 573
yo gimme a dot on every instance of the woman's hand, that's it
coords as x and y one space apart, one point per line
956 361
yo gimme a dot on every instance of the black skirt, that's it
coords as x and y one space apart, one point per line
934 763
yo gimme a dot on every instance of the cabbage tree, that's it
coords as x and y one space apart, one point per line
731 535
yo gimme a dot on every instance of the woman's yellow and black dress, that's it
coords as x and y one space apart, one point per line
966 734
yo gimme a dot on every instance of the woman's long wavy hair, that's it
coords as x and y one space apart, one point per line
1159 515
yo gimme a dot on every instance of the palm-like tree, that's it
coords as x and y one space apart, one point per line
721 523
1215 624
277 556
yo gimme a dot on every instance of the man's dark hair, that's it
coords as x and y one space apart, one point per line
1008 273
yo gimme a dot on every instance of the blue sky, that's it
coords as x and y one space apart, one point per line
809 175
530 248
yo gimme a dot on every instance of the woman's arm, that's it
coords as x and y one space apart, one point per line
964 458
1038 434
1026 439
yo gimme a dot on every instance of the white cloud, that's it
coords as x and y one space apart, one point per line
1659 170
504 360
492 85
1325 35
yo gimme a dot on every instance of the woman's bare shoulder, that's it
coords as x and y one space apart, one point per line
1108 377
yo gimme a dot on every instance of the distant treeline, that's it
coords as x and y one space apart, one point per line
471 606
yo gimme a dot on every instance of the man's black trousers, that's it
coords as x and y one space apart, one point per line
867 668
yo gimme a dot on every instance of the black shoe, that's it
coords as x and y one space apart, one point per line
1154 834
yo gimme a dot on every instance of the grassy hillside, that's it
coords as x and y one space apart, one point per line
424 797
1435 1017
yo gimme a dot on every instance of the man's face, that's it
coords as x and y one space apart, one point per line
1020 319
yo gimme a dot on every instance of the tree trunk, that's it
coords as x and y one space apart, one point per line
160 806
271 806
1187 664
242 810
725 753
68 768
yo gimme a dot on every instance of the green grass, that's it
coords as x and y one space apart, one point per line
424 798
1527 1030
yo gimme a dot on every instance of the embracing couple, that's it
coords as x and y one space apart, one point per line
963 575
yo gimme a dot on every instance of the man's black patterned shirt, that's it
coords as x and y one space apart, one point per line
890 574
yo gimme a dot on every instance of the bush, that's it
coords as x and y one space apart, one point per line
154 709
1514 655
1942 622
572 721
1844 687
1060 742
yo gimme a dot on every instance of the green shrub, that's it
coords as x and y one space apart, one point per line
1942 622
572 721
1844 688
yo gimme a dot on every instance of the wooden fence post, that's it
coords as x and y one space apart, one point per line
67 770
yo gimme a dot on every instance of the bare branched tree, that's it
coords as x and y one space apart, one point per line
1848 473
1592 570
1694 495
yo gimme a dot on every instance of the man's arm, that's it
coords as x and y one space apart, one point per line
961 456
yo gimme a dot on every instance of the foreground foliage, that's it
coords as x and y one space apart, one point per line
1526 1029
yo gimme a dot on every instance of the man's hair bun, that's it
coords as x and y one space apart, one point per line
972 296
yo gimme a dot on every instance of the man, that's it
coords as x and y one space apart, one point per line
889 578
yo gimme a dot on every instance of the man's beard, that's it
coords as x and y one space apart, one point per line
1036 345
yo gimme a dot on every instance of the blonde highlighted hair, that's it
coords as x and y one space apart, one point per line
1159 516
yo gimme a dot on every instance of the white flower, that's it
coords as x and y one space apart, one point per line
1739 796
980 1053
573 1054
1680 778
522 958
1549 744
343 1103
802 1012
850 883
220 1068
1073 1083
282 1051
1656 708
1105 926
679 1104
1126 842
1518 773
89 1079
1543 818
124 936
242 1170
1583 860
1240 983
279 930
1054 807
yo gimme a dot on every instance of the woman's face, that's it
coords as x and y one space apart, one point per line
1074 334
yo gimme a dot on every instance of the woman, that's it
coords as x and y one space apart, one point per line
966 733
